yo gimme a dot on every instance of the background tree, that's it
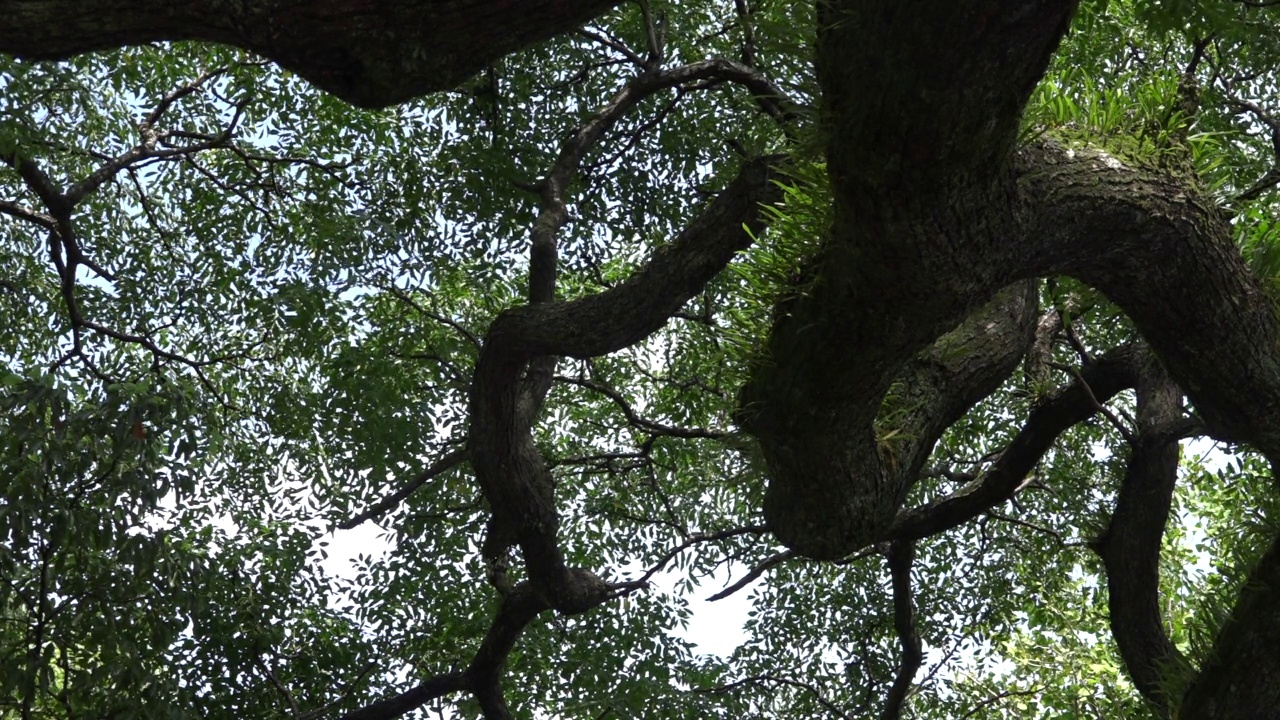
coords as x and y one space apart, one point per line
900 317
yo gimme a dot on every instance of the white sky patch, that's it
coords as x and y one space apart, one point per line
716 628
344 546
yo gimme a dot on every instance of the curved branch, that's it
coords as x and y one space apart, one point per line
510 469
1164 254
901 556
889 285
761 568
960 369
481 678
553 211
371 53
634 419
1130 548
406 702
1241 679
385 505
1105 377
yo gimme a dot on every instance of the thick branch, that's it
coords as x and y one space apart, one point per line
371 53
1130 548
1241 679
964 366
509 468
519 608
1109 374
916 96
553 210
1144 237
1164 254
921 238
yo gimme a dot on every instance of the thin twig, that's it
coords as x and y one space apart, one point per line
764 566
696 540
443 465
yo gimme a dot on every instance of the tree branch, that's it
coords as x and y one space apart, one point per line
509 467
698 539
372 53
1165 256
1130 549
901 555
1242 675
634 419
16 210
955 373
410 700
761 568
1111 373
385 505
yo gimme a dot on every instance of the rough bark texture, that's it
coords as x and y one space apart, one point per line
371 53
935 210
1099 381
945 381
933 217
1164 254
921 237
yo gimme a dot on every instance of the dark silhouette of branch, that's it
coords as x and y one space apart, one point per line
698 539
509 467
16 210
778 680
482 677
1109 374
761 568
901 555
1130 548
1241 677
997 698
633 418
406 702
382 507
372 54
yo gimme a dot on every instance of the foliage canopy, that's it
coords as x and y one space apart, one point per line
242 313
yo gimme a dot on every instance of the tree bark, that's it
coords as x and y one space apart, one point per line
918 243
1241 680
934 212
922 236
1099 381
371 53
1130 547
1163 252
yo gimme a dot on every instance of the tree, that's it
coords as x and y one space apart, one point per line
899 316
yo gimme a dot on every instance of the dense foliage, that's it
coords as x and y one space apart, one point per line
241 315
